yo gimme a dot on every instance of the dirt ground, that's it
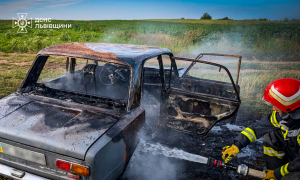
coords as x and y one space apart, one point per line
148 166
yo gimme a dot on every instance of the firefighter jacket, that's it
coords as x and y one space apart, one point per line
290 140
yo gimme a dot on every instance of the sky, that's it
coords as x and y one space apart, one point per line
150 9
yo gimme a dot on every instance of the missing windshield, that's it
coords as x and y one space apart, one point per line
84 81
88 77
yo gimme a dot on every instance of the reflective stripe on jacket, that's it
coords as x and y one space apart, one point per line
249 133
283 169
255 131
269 123
271 152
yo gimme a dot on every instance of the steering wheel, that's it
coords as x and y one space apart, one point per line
110 74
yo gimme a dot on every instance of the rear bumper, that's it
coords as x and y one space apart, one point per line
6 171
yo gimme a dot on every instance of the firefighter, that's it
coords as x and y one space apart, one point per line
281 131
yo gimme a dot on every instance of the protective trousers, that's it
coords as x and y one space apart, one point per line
275 154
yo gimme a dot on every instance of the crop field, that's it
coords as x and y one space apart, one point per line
255 40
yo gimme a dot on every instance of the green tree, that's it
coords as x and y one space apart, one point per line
263 19
206 16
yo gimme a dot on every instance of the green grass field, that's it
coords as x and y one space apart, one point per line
255 40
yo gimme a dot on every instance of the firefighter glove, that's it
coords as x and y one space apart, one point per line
270 175
229 152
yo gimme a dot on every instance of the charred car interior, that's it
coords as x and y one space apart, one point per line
83 104
188 102
82 81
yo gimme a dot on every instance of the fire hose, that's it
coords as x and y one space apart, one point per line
240 169
175 153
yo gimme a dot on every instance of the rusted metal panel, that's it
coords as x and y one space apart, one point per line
131 54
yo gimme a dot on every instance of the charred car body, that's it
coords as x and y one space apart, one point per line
81 105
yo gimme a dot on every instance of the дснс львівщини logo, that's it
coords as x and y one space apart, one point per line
22 22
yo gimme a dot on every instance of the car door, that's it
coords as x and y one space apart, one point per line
194 103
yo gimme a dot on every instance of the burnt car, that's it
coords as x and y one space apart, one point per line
78 112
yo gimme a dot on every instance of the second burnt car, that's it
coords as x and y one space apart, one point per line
79 109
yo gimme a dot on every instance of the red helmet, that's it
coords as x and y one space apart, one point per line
284 94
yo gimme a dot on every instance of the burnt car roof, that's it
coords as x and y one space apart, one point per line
131 54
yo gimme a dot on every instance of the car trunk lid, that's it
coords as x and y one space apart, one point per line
59 129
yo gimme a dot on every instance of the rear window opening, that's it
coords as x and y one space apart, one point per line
86 77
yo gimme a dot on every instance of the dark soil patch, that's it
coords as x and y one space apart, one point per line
148 166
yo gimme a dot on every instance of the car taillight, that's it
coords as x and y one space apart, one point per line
64 165
79 169
72 167
73 176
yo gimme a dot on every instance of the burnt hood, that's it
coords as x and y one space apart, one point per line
59 129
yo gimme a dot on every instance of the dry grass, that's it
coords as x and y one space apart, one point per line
13 69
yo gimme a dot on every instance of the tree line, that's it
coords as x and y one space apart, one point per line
207 16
